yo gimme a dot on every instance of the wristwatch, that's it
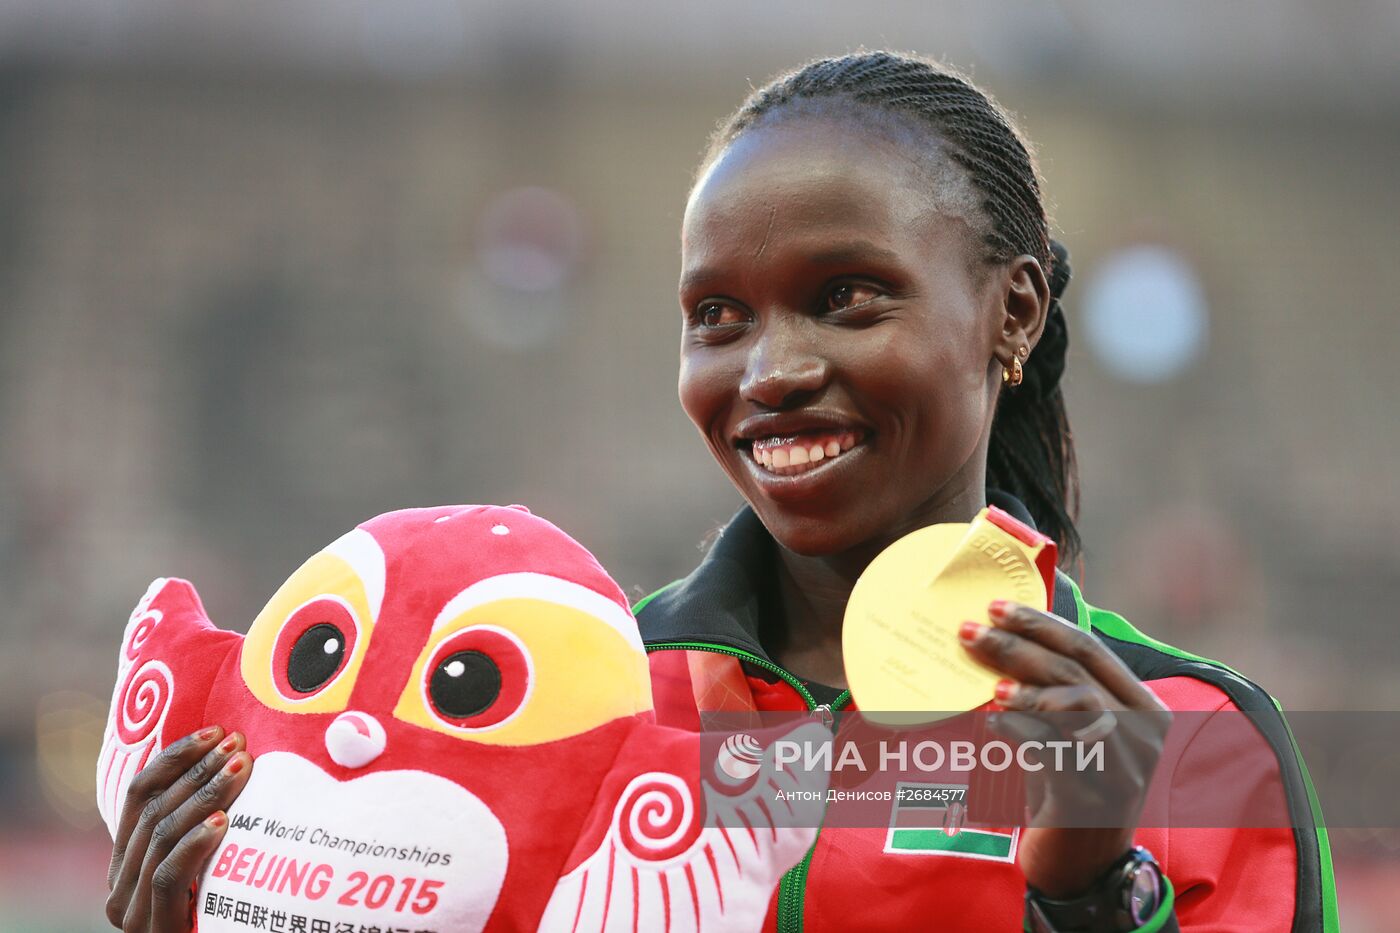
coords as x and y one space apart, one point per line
1127 896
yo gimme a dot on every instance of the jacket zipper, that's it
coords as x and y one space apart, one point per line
792 890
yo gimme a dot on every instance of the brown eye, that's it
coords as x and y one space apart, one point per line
717 315
849 295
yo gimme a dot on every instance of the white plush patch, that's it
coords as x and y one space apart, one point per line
526 585
398 848
354 739
359 549
722 881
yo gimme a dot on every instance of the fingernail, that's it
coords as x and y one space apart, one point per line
971 631
216 819
208 733
999 609
229 744
234 765
1006 689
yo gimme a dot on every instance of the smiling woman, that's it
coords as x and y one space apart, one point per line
872 343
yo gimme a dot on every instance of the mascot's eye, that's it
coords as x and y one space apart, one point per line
464 684
315 657
477 677
313 647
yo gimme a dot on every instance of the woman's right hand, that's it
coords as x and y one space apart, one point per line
172 821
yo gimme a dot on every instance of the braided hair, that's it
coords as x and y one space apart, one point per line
1031 452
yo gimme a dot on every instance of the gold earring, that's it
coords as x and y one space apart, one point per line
1014 375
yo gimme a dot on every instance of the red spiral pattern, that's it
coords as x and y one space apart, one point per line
657 817
145 698
141 632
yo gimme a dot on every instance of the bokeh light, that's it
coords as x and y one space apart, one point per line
529 247
1145 313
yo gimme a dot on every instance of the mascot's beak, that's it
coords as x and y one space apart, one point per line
354 739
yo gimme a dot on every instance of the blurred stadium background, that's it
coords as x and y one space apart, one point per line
269 268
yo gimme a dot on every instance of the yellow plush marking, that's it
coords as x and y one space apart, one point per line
325 574
568 650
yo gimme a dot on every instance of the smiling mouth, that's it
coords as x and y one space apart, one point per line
791 454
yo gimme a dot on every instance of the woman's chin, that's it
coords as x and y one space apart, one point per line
815 534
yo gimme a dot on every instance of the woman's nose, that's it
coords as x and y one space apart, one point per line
782 372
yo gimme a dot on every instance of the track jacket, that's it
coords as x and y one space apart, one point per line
702 636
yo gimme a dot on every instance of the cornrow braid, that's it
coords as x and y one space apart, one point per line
1031 453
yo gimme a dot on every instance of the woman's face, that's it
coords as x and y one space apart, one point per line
840 335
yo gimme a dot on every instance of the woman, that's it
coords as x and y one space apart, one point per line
872 343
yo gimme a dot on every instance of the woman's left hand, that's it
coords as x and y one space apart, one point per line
1052 667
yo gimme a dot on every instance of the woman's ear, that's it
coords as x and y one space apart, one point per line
1025 306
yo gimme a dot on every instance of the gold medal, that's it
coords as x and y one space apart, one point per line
904 662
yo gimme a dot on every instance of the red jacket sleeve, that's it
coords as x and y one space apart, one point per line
1226 841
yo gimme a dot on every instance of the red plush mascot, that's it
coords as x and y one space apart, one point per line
452 723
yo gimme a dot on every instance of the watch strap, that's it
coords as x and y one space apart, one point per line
1162 921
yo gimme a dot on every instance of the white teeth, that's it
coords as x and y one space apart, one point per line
787 456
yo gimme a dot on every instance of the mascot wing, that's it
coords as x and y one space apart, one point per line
678 861
169 655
